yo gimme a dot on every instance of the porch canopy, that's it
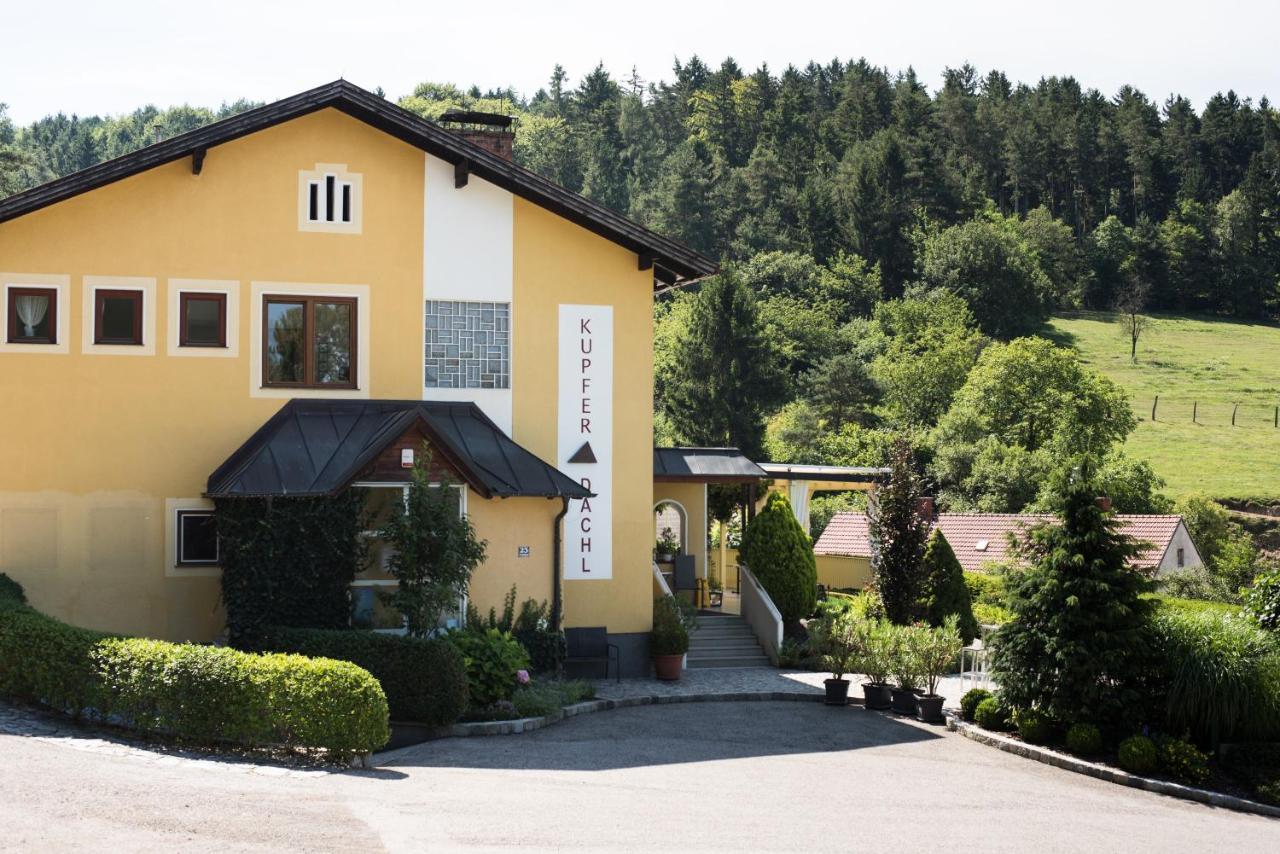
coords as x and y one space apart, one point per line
802 481
704 465
315 447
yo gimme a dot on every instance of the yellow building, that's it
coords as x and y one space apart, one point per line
161 310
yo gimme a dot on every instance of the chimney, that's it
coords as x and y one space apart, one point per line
925 508
491 131
1104 503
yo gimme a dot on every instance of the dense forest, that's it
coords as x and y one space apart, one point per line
887 248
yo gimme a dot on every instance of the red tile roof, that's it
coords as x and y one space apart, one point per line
982 538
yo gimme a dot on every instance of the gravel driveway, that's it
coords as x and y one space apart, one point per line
698 777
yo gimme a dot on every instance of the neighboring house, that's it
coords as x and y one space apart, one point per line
288 302
979 539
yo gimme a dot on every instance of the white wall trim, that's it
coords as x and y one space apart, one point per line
171 568
339 172
60 283
93 284
231 289
364 308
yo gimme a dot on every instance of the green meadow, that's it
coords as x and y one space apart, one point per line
1201 368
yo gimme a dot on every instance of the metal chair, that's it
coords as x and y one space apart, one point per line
686 574
588 649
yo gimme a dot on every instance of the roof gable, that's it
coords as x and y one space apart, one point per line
983 538
673 263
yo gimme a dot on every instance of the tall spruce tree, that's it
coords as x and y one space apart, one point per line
723 378
897 532
1078 646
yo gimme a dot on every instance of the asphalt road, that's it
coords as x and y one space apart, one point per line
695 777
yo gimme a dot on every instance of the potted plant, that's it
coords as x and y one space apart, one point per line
906 669
875 661
838 641
935 650
667 547
669 640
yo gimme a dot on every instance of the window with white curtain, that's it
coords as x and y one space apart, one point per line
33 315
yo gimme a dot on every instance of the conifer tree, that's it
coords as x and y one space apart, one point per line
947 593
780 555
897 534
1077 647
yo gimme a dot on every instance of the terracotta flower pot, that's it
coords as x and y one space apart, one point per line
668 667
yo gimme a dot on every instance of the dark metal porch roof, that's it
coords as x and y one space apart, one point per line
704 465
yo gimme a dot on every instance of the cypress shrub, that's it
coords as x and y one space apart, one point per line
948 594
425 680
779 553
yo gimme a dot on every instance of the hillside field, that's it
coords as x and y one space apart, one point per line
1211 362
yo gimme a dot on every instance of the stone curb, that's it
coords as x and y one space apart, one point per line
587 707
1105 772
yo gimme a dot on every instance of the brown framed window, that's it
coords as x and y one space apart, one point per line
202 320
197 538
309 342
117 317
33 315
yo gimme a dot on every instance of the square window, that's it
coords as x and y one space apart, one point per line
33 315
197 538
202 320
117 317
309 342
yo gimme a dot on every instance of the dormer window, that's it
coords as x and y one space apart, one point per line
329 199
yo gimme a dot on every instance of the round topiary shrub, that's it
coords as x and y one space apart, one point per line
1137 755
1034 726
991 715
780 555
969 702
1183 761
1084 740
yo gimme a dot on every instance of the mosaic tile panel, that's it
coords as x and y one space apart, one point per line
468 344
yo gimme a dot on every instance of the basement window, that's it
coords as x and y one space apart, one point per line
197 538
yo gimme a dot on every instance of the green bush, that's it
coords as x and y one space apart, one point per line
1183 761
543 698
1257 766
10 589
969 702
985 587
780 555
670 634
991 715
1084 740
215 695
425 680
1262 600
946 592
1137 755
493 658
1034 726
1219 676
202 694
991 615
1165 604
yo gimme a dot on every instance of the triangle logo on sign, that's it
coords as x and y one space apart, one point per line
583 454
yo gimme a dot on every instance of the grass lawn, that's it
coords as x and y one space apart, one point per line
1210 364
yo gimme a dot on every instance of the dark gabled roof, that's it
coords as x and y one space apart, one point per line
318 447
673 262
708 465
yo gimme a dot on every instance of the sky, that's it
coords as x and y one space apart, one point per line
98 57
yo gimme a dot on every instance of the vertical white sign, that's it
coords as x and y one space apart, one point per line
585 436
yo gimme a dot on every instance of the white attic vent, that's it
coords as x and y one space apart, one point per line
981 545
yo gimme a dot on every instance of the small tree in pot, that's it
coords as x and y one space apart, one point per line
935 650
876 640
838 639
906 669
669 640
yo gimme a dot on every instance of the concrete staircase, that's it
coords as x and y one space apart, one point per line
725 640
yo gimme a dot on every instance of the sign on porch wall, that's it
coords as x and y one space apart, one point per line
585 434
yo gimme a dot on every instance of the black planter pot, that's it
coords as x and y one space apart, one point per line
837 692
876 696
929 708
904 701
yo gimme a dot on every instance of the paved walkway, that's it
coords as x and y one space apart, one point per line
687 777
747 680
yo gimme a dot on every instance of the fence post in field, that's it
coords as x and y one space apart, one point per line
1154 404
1195 407
1276 422
1234 407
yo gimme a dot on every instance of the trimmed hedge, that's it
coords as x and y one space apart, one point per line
425 680
202 694
1137 755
